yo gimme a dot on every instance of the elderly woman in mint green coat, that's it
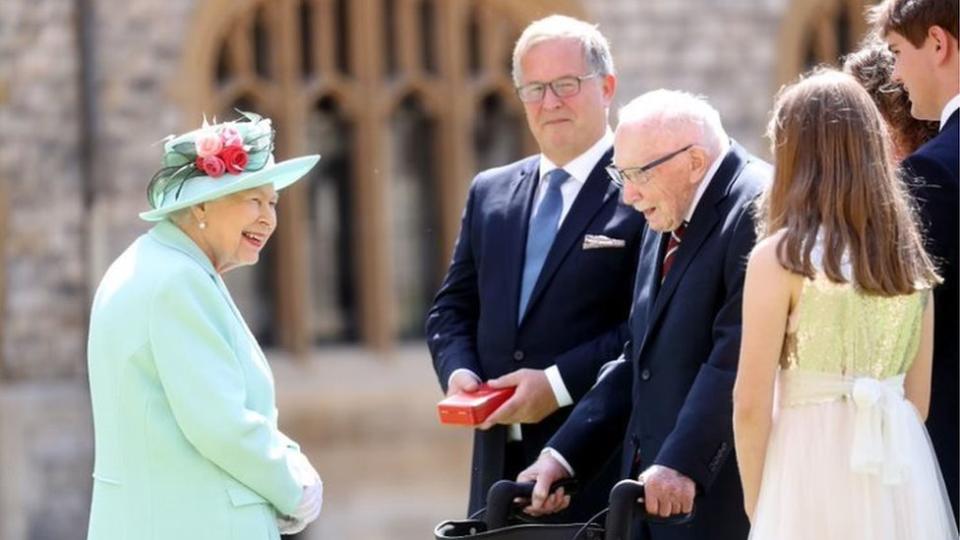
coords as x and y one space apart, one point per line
187 445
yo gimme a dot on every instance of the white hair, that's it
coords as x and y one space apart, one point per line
596 49
674 110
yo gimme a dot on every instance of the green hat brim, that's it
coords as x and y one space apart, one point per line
281 175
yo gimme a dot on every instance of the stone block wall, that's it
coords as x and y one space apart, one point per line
45 290
62 227
724 50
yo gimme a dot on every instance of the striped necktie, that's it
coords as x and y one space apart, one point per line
676 236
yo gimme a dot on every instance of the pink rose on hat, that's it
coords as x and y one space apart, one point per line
235 158
212 166
208 143
230 136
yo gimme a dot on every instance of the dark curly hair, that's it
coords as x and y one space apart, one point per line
872 67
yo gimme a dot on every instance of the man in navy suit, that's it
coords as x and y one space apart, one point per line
538 292
670 398
922 34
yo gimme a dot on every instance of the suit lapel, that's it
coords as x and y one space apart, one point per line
596 191
646 285
514 244
702 223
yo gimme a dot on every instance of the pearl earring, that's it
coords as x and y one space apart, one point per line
203 224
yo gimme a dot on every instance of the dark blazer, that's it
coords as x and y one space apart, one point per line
935 168
671 403
576 316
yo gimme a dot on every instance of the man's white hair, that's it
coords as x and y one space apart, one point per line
674 110
596 49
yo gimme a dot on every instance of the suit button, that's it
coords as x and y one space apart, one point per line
518 355
645 374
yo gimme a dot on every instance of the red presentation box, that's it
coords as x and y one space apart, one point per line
471 409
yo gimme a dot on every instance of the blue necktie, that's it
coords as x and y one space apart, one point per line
543 228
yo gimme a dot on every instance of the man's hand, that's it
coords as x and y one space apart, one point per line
532 401
462 381
545 471
667 492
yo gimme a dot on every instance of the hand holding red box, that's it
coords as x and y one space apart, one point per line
471 409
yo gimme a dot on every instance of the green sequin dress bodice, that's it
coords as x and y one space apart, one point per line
838 329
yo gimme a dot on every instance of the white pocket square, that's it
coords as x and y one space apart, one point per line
598 241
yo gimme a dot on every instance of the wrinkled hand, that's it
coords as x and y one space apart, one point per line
667 492
462 381
532 401
545 471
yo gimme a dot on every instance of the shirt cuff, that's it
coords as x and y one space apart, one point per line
464 370
560 459
559 389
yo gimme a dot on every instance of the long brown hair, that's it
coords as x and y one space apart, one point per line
834 175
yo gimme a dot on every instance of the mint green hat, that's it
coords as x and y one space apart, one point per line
217 160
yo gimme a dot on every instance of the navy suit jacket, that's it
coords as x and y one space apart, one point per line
576 316
670 402
934 167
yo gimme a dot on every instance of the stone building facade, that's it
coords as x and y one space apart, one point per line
405 99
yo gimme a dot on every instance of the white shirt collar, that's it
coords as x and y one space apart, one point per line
949 109
580 167
724 149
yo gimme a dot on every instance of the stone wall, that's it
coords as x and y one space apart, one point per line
61 226
45 292
725 51
137 55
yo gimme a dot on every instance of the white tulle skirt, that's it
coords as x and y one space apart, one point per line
849 459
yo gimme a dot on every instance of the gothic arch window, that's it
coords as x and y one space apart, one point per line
330 251
405 100
413 220
816 32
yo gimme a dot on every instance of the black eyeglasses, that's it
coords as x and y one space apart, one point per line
561 87
640 175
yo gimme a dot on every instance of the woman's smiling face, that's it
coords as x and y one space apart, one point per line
237 226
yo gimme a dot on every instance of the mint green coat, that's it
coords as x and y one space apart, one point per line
185 420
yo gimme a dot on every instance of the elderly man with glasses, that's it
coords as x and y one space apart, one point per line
538 292
668 401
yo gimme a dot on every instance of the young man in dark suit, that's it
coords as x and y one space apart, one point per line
922 34
670 400
538 292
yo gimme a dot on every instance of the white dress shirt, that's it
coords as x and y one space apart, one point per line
579 170
724 148
949 109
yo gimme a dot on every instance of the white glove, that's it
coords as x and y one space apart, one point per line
288 525
310 502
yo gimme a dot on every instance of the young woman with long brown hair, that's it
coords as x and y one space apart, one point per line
834 375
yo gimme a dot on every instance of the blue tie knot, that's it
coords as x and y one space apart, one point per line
556 178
